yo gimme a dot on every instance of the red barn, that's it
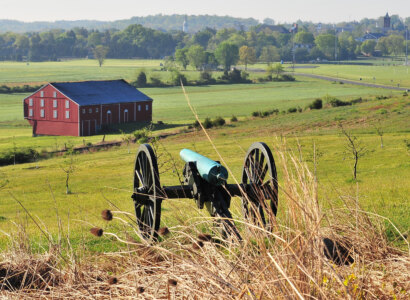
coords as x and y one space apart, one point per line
82 108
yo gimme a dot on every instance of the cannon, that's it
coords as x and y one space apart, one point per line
205 181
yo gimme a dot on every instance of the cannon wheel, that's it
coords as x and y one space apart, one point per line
259 171
146 182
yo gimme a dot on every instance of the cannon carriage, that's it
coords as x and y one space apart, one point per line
205 181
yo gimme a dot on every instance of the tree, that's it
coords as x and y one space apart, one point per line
100 52
141 79
395 44
304 37
383 45
196 56
275 69
380 132
354 147
181 58
368 46
69 168
227 54
269 54
326 44
247 56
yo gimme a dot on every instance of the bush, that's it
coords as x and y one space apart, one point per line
141 79
317 104
177 78
266 114
256 114
357 100
206 77
22 155
292 110
141 135
207 123
337 102
4 89
286 77
219 121
156 81
234 119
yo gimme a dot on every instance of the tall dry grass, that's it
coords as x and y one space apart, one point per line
285 262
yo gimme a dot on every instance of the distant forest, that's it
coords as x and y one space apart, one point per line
265 42
159 22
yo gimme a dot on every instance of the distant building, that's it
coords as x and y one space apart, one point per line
82 108
185 25
386 23
294 28
370 36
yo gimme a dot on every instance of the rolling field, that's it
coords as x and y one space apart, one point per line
382 187
170 106
107 175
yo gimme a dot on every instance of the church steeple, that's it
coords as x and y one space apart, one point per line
386 24
185 25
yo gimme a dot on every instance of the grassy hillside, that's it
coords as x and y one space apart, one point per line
382 187
170 106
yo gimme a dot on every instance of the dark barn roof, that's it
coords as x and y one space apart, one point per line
100 92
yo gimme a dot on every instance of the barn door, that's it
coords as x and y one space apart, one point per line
109 117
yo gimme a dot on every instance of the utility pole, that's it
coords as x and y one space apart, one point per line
293 49
335 43
407 31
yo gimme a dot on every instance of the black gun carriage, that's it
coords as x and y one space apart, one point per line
205 181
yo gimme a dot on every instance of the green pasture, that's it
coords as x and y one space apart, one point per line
378 73
106 176
170 106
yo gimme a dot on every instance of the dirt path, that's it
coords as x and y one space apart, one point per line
350 81
390 87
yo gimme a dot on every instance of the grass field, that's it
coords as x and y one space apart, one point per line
378 73
170 106
382 187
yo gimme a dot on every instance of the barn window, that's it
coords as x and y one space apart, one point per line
54 114
55 94
67 114
146 107
83 110
42 94
54 103
30 112
30 101
90 111
42 113
67 104
42 102
139 107
96 109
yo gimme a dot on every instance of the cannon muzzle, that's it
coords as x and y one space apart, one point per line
210 170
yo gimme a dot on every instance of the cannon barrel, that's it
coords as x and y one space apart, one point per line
210 170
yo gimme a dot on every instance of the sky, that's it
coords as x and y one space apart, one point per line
329 11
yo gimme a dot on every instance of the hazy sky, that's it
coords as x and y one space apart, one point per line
280 10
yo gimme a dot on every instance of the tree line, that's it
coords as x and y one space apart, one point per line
205 48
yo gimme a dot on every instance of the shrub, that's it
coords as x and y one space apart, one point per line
234 119
207 123
156 81
22 155
292 110
286 77
141 135
256 114
196 124
317 104
265 113
206 77
177 78
337 102
274 111
141 79
357 100
219 121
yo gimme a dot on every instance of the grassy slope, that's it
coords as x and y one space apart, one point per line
383 185
170 106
